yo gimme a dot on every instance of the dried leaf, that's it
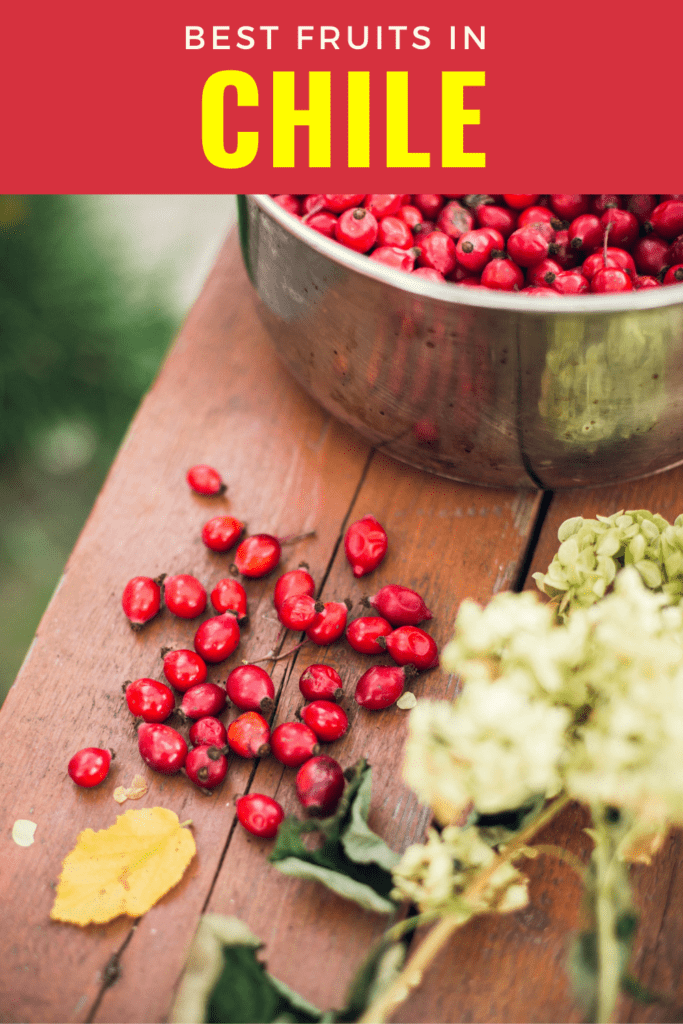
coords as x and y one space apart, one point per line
124 869
137 789
23 832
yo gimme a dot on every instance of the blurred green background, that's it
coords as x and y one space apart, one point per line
92 292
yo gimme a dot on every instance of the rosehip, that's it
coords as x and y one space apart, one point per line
428 274
502 274
645 282
250 688
300 611
675 253
667 218
230 596
291 584
410 215
206 766
394 232
382 685
259 814
586 232
327 720
162 748
641 206
400 606
289 203
209 732
392 256
363 633
536 215
674 275
222 532
320 682
454 220
258 555
248 735
217 638
149 699
184 669
90 766
410 645
331 624
356 229
520 202
571 282
141 599
623 227
474 248
205 480
184 596
608 257
429 203
651 255
569 207
498 217
292 743
601 203
611 279
543 273
323 222
202 700
365 545
319 785
312 204
337 203
528 246
382 205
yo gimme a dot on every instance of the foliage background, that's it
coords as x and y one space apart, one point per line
92 291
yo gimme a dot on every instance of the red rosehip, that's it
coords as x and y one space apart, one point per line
667 218
222 532
292 584
258 555
608 257
611 279
250 688
382 685
571 282
184 596
520 202
428 273
410 215
536 215
339 203
356 229
289 203
217 638
586 232
543 273
206 766
528 245
162 748
623 227
364 632
365 545
90 766
300 611
395 232
149 699
454 220
203 700
320 682
331 624
141 600
474 248
410 645
259 814
438 251
392 256
400 606
327 720
208 732
651 255
641 206
429 204
184 669
248 735
319 785
674 275
502 274
645 282
324 223
205 480
568 207
292 743
230 596
498 217
382 205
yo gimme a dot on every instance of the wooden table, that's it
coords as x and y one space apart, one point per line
223 398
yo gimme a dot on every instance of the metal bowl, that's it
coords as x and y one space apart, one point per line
486 387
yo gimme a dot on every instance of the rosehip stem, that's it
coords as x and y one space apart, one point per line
272 656
293 538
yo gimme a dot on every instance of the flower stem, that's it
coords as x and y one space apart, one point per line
411 975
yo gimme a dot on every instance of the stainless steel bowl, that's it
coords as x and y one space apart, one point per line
487 387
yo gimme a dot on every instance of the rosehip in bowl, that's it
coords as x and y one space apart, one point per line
162 748
356 229
438 251
327 720
674 275
250 688
571 282
184 596
611 279
382 204
217 638
205 480
248 735
392 256
149 699
338 202
184 669
502 274
90 766
259 814
292 743
667 218
365 545
319 785
206 766
320 682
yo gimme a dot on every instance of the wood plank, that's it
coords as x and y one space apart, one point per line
221 397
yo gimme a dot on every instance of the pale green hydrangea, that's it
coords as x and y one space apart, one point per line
592 551
593 707
436 874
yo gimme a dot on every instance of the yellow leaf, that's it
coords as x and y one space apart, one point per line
124 869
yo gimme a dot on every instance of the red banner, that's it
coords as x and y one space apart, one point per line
392 97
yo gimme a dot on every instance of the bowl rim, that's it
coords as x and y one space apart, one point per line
445 291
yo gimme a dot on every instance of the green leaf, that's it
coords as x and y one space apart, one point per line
224 983
375 975
352 860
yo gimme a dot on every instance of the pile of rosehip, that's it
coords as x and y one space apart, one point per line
393 630
538 244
